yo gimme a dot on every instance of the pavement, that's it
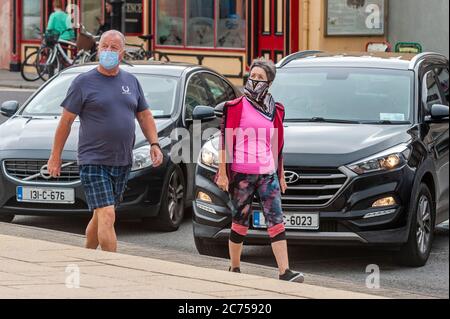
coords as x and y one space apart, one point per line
31 268
14 80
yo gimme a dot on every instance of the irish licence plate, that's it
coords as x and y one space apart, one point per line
45 195
299 221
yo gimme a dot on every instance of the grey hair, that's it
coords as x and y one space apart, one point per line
266 65
114 32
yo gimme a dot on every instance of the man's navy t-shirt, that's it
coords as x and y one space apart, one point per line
107 107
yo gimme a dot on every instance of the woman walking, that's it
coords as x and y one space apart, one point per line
251 163
59 21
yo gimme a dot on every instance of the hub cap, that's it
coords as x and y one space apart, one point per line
175 196
423 224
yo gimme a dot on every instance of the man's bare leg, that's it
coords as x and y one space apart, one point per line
92 233
106 233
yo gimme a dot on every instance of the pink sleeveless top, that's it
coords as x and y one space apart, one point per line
252 151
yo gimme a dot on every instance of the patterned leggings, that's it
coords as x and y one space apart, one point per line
243 188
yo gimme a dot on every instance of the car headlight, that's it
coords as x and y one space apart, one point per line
209 155
390 159
141 158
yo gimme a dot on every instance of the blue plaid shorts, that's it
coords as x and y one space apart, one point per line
104 185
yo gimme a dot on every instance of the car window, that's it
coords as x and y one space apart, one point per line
220 90
355 94
230 91
443 78
159 91
430 91
196 95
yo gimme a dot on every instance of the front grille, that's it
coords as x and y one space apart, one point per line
316 187
28 171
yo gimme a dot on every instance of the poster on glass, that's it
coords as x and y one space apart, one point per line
356 17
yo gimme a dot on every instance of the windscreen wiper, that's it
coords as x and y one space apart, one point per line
324 120
386 122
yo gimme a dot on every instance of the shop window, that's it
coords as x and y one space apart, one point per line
200 23
170 23
91 15
31 19
231 24
134 10
266 17
279 17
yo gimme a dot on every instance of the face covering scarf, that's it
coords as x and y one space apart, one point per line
257 92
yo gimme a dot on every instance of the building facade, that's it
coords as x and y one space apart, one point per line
5 33
426 22
225 35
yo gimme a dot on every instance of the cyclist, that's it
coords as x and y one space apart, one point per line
60 22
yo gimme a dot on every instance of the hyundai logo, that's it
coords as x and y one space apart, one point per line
291 177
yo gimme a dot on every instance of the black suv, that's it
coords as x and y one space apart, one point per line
366 155
177 94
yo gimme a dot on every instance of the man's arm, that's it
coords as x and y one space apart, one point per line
61 135
148 127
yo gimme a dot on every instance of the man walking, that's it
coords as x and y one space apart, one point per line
107 101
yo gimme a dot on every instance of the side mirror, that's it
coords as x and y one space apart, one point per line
439 112
218 110
9 108
203 113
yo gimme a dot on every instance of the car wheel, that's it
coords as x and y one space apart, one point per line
417 250
6 218
211 248
171 213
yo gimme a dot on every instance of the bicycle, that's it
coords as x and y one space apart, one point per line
28 69
141 53
53 56
87 43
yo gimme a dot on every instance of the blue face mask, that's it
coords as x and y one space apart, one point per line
109 59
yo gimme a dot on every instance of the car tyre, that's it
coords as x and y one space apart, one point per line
6 218
173 200
416 251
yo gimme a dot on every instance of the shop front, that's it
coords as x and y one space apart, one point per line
225 35
30 18
228 34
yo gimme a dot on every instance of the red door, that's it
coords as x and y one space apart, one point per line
270 15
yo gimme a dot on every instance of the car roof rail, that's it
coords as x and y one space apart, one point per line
420 57
295 56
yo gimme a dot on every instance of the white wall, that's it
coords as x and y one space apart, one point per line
423 21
